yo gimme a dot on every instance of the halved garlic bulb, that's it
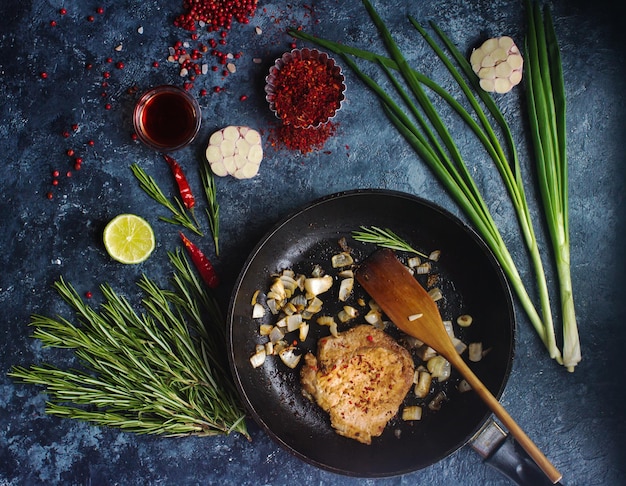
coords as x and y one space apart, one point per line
235 151
498 64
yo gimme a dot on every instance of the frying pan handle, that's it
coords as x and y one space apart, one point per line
500 451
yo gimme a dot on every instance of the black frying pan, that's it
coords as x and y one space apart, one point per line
471 281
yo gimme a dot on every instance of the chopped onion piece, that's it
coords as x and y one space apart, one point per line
269 348
439 368
289 357
317 285
415 317
435 294
342 259
347 313
258 311
315 305
422 387
423 268
273 306
459 345
475 352
265 329
464 320
463 386
437 401
276 335
345 289
414 262
325 320
426 352
299 302
374 318
413 412
373 305
257 359
294 322
346 274
255 296
434 255
277 291
333 329
449 328
304 331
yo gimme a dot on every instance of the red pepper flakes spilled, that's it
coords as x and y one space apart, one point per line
304 140
306 92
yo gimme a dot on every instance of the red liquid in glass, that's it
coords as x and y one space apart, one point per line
168 119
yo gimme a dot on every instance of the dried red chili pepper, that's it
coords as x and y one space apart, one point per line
202 263
183 186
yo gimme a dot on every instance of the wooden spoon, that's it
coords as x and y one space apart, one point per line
400 296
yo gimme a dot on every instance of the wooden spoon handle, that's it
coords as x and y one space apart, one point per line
499 411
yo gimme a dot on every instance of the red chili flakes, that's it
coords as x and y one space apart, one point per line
304 140
306 92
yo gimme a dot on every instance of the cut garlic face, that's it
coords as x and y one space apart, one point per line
235 151
498 64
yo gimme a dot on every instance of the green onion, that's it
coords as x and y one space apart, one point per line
428 135
546 107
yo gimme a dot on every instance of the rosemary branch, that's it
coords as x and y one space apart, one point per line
385 238
160 372
213 208
179 215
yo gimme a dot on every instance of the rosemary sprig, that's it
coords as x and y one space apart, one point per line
213 208
385 238
180 215
160 372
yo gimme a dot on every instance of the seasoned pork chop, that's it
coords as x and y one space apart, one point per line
360 378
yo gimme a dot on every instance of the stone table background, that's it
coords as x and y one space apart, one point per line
577 419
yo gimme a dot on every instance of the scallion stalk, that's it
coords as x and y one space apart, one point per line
547 109
445 160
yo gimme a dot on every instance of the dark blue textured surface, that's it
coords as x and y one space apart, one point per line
577 419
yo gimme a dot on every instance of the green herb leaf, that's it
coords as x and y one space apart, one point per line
213 208
160 372
384 238
180 216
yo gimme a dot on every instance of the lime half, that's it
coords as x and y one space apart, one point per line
129 238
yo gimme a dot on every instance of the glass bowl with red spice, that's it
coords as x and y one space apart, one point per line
305 88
